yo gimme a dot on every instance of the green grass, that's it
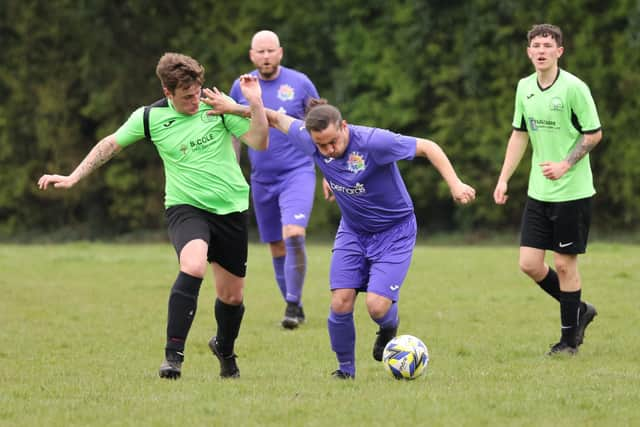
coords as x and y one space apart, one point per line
82 333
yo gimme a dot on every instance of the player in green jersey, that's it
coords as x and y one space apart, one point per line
555 110
206 198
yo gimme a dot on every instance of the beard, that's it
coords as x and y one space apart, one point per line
268 72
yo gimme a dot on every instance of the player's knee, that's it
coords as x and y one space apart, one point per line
565 267
193 258
231 298
291 230
193 267
341 302
378 307
376 311
341 306
531 269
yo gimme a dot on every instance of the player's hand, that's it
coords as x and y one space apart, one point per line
463 193
554 170
500 193
219 103
250 87
326 189
58 181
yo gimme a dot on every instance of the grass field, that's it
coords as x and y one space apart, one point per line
82 334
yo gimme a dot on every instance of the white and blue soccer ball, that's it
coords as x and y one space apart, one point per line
405 357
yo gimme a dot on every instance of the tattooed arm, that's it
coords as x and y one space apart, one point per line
100 154
586 143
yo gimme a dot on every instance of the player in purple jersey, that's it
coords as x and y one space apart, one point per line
282 178
377 233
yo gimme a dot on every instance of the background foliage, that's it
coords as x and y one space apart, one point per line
72 71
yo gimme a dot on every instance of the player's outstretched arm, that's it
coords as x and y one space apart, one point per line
257 137
460 191
279 121
222 104
100 154
515 150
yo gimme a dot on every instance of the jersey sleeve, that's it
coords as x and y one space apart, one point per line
519 122
387 147
300 138
584 106
132 130
237 125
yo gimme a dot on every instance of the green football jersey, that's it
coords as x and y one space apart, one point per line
555 118
200 164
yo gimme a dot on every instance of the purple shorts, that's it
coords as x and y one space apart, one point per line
287 200
373 262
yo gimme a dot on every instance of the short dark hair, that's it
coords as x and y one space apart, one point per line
321 115
545 30
176 70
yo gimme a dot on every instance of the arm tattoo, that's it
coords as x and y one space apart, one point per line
98 156
580 150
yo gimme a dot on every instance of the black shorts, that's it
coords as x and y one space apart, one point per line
226 235
562 227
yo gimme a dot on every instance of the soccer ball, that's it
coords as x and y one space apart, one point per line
405 357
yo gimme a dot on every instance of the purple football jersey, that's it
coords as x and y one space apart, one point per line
365 181
289 94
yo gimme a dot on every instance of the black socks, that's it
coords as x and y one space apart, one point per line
229 318
550 284
569 312
183 302
570 305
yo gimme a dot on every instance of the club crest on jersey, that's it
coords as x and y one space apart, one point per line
207 118
355 163
556 104
286 93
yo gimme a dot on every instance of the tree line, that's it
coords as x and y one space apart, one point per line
72 71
